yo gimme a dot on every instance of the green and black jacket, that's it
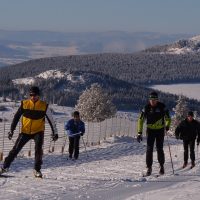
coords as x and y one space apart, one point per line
156 117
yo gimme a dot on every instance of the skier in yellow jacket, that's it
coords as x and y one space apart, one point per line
33 112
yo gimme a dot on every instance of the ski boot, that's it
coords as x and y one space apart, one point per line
162 170
3 170
149 171
184 165
37 174
192 164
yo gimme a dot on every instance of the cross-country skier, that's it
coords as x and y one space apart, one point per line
33 112
188 131
75 128
158 120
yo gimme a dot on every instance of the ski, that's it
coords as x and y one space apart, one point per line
6 176
152 175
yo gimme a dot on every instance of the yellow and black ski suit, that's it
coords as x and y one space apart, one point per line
32 116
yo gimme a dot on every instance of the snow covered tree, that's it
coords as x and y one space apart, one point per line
95 105
180 112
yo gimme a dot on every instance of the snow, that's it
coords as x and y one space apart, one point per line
113 170
51 74
55 74
24 81
179 50
195 39
191 47
189 90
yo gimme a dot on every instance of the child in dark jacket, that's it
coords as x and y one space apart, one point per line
188 131
75 128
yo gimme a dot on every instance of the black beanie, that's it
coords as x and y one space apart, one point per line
190 113
35 90
153 96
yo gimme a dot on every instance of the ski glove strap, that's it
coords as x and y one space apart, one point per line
139 138
10 135
54 137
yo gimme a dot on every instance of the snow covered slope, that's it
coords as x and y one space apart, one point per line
54 74
112 171
183 46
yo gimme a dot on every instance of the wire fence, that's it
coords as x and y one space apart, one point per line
95 133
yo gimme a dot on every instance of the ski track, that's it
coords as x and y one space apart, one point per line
113 170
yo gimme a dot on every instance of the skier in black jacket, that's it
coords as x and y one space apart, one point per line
188 131
157 120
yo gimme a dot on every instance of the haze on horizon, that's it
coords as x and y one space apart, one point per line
99 16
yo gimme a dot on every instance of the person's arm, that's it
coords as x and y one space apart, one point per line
140 122
82 128
178 131
167 120
68 128
51 121
16 118
198 132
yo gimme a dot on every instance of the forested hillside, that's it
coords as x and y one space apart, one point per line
122 75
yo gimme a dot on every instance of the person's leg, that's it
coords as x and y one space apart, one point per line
192 153
76 147
160 151
159 147
39 140
20 142
71 146
185 146
150 145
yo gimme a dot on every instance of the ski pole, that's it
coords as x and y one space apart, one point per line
85 147
170 154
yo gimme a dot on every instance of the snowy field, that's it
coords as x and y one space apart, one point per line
109 171
189 90
112 171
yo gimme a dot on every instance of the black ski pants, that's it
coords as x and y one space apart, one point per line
152 136
20 142
74 146
189 144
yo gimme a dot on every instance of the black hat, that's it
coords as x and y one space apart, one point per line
34 90
76 113
153 96
190 113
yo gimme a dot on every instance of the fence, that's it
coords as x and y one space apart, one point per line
95 133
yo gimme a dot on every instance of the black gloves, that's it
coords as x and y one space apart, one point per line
139 138
81 134
198 142
10 134
177 137
167 128
54 137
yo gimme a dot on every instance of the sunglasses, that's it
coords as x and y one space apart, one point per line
33 95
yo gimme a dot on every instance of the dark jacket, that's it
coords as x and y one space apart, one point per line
156 117
75 128
188 130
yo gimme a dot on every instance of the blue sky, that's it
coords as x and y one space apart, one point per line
166 16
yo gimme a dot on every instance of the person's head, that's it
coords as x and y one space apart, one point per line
34 93
190 116
76 115
153 98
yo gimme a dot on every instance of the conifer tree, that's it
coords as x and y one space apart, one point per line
95 105
180 112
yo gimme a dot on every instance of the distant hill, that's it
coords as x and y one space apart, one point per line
183 46
123 76
19 46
